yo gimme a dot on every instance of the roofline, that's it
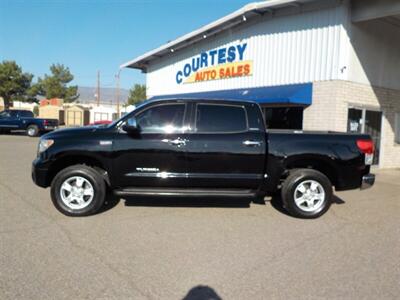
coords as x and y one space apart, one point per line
195 99
192 99
224 23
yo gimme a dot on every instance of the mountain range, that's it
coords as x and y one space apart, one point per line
107 95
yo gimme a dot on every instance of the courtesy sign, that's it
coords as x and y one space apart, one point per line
222 63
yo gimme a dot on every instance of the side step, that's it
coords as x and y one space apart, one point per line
145 191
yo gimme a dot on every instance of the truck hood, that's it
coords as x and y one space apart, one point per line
72 132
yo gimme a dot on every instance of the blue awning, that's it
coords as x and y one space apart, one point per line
295 94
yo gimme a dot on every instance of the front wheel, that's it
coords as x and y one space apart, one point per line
306 193
78 191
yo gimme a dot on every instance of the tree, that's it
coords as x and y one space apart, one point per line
14 84
36 111
137 94
56 84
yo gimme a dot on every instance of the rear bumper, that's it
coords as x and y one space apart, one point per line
49 128
367 181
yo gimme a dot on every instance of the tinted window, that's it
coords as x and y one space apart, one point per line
162 118
13 113
26 114
4 114
220 118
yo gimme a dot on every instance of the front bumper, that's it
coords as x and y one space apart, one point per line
367 181
39 174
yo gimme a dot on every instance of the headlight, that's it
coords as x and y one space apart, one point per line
44 145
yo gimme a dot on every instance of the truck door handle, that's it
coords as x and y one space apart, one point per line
251 143
176 142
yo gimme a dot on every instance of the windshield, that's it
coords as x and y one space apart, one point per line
4 114
116 122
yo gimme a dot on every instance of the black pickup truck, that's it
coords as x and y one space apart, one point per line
197 147
25 120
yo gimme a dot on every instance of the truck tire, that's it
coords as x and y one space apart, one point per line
306 193
32 130
78 190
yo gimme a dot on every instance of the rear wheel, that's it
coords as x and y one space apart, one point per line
306 193
32 130
78 191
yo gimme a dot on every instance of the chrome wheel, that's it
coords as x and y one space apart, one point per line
31 131
76 192
309 196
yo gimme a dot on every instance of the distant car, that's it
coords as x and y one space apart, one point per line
25 120
103 122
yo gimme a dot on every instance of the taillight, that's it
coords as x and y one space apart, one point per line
45 122
366 146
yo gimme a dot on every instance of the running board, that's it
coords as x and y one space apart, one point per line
185 192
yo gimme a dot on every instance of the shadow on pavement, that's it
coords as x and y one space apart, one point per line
276 202
21 133
202 292
110 202
173 201
16 133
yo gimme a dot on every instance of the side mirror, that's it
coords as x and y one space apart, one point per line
131 126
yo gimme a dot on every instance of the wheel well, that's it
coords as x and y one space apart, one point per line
68 161
318 165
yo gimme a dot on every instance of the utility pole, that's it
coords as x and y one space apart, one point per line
98 88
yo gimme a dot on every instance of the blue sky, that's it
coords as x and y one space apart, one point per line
96 35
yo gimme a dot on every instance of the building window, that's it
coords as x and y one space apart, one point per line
397 129
99 116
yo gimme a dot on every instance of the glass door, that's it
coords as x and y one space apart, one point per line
373 122
355 120
361 120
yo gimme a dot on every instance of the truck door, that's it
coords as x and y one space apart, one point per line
156 156
226 149
8 119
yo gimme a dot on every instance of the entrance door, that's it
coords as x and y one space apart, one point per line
368 122
355 120
373 122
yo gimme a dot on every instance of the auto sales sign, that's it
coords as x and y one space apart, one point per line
222 63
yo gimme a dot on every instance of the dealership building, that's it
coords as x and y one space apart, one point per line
311 65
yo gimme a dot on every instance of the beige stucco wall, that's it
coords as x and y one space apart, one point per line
331 100
49 111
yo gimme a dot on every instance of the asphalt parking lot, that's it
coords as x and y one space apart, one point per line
194 249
